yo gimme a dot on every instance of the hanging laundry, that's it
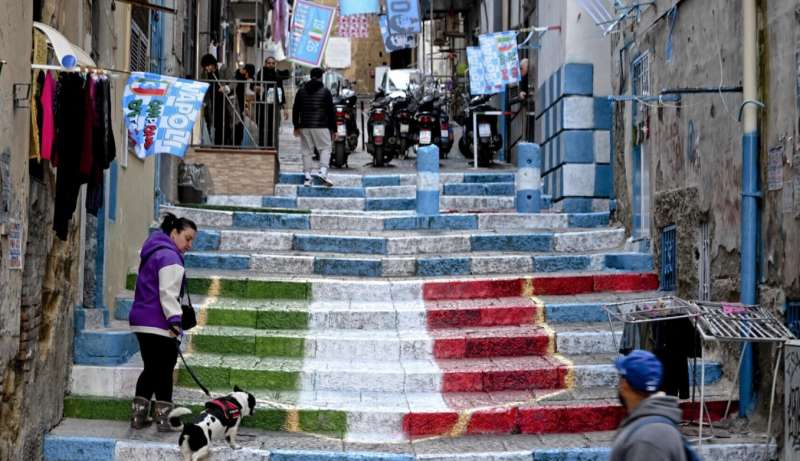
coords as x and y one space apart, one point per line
68 148
48 128
35 153
103 146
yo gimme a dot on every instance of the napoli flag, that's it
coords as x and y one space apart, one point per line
311 27
160 113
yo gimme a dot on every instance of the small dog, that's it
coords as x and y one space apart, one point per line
221 416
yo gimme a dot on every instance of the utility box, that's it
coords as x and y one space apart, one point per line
791 413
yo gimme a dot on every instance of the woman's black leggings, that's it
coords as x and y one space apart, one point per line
159 354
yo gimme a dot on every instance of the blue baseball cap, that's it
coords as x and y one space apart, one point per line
641 369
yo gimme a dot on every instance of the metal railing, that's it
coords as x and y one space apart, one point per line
240 114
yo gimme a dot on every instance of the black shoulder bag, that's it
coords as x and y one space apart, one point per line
188 315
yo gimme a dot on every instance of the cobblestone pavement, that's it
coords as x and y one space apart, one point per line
360 161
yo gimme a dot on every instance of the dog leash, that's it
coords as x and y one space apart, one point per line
189 369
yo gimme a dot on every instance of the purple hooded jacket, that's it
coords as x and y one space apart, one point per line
156 304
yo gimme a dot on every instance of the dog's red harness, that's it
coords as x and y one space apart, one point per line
228 408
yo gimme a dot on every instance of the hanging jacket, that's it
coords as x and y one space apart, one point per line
313 107
156 305
67 148
48 125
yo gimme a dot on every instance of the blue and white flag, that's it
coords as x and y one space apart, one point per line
477 74
395 42
500 58
309 31
351 7
160 113
403 17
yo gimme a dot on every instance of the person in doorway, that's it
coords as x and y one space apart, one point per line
155 317
523 81
271 98
314 123
217 111
650 430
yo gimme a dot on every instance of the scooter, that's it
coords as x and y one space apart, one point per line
346 139
381 140
489 139
403 109
445 139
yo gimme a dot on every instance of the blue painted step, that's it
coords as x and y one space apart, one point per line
500 188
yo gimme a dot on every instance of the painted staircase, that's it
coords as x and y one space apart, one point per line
380 329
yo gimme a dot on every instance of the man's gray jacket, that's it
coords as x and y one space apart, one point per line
653 441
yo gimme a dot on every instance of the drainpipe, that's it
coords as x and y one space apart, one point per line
750 192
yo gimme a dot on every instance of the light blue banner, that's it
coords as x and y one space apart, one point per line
500 58
351 7
308 32
160 113
395 42
477 74
403 17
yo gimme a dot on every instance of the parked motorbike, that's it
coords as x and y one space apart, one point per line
489 139
403 110
380 131
346 139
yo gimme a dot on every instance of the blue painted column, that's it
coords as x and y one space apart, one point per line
528 182
428 180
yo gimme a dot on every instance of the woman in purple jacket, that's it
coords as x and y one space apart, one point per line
156 317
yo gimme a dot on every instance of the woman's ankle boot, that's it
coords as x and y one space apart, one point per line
140 413
162 410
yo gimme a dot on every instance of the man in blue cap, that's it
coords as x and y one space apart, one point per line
650 430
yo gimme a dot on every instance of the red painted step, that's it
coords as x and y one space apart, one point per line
544 285
482 313
503 374
510 341
526 419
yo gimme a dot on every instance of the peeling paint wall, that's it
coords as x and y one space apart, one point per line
695 147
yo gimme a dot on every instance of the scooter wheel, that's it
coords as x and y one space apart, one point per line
377 156
339 155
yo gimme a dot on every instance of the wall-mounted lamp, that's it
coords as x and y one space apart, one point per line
22 95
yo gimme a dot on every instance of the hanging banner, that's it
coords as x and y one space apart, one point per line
309 31
160 113
351 7
500 58
403 17
395 42
338 53
477 74
356 26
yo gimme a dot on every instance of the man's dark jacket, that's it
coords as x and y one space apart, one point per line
313 107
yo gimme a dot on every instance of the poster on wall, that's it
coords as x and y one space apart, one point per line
500 58
15 246
308 32
356 26
477 74
338 53
403 17
351 7
395 42
160 113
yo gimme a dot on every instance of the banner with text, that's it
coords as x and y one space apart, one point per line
477 74
309 31
351 7
403 17
500 58
395 42
160 113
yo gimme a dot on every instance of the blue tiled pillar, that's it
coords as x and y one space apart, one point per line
528 181
428 180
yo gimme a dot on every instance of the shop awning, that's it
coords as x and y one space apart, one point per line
69 55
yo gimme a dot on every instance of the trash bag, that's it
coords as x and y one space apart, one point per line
194 183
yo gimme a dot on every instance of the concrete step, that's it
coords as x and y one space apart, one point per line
353 180
329 199
489 263
110 440
414 242
327 220
338 191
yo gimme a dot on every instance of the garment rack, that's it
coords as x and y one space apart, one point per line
86 69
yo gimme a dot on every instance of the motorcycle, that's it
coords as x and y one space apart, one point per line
380 132
346 138
489 139
403 109
427 119
445 139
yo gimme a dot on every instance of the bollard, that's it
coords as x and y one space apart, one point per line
428 180
528 182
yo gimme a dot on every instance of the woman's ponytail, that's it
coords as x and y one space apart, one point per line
172 222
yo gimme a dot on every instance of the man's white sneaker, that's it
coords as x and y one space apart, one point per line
324 180
307 182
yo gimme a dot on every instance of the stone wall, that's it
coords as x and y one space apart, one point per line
694 148
240 171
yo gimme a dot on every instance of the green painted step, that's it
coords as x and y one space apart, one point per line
240 288
269 315
248 341
219 371
326 422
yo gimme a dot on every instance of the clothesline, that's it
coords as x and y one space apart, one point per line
86 69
